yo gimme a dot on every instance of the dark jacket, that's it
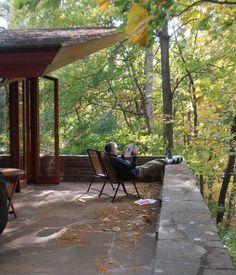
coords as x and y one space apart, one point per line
124 169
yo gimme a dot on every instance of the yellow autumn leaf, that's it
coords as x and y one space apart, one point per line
137 24
200 99
103 5
160 3
144 2
186 129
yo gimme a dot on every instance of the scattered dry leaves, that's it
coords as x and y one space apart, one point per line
102 264
126 220
73 235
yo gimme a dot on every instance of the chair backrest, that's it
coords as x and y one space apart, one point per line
95 159
108 166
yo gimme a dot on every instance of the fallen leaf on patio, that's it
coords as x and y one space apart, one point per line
116 229
106 229
147 220
73 236
101 264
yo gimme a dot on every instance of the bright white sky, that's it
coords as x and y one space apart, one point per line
3 22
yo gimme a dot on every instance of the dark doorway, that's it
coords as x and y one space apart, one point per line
29 129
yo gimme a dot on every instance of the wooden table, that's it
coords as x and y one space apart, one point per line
13 176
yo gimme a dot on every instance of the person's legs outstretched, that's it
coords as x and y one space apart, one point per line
151 169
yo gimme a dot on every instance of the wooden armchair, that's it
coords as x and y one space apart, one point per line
111 176
99 171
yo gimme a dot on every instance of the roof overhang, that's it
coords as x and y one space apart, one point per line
32 53
71 53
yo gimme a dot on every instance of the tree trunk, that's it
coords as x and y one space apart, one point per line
227 175
189 116
201 183
166 88
192 92
148 89
231 207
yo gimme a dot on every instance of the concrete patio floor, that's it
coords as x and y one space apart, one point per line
64 230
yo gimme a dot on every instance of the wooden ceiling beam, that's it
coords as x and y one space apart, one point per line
25 63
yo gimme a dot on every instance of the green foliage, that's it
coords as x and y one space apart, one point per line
101 96
4 122
228 235
57 13
31 4
104 124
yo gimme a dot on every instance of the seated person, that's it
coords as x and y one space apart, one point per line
127 170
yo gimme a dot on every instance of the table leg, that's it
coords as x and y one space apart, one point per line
10 198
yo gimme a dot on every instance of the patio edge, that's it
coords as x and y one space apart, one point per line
188 241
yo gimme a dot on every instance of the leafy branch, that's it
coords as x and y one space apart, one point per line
219 2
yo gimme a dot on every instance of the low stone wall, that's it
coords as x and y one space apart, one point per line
77 168
188 241
73 168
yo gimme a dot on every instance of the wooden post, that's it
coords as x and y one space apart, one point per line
14 124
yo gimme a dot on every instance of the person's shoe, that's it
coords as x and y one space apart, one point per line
178 159
175 160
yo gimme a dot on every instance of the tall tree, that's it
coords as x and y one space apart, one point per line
166 88
148 98
227 174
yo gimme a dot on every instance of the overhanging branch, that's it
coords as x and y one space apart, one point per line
206 1
219 2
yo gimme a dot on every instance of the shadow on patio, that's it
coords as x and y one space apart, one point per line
64 230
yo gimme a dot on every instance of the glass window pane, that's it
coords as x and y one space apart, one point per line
46 128
4 121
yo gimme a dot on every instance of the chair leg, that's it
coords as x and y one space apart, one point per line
12 209
10 199
124 188
116 192
136 189
113 188
102 189
91 182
